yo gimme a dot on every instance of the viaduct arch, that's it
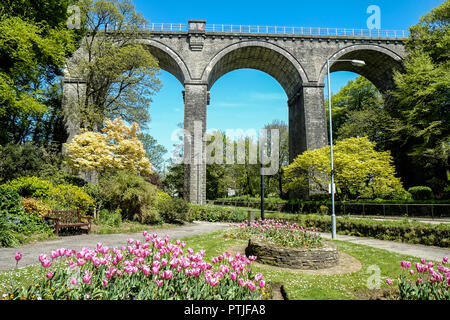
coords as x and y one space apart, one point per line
198 58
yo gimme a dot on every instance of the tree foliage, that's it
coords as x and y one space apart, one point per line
31 57
120 73
360 171
423 95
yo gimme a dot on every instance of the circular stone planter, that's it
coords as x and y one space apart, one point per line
326 256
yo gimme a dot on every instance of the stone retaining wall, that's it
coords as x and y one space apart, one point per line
296 258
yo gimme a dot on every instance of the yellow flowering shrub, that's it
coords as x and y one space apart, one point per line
117 147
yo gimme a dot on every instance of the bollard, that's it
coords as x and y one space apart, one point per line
250 216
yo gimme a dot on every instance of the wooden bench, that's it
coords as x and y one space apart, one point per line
69 219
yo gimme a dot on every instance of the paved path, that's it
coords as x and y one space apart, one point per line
31 252
415 250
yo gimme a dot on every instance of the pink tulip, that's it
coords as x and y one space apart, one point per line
155 270
258 277
49 275
146 270
389 281
54 254
444 260
405 264
87 277
18 256
159 283
262 284
80 262
167 275
46 263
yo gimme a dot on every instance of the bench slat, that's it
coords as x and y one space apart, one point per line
69 218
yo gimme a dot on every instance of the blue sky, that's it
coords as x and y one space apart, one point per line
249 99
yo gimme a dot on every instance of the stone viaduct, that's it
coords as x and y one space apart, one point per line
198 54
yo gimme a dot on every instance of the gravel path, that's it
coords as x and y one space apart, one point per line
415 250
31 252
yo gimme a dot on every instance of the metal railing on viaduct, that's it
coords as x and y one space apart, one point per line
306 31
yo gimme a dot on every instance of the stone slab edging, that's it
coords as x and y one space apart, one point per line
326 256
346 264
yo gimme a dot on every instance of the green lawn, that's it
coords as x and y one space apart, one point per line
316 287
298 286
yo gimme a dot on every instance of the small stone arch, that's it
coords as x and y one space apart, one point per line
263 56
168 59
379 69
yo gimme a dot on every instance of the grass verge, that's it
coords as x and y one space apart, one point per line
298 286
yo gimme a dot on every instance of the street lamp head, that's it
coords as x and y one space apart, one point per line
358 63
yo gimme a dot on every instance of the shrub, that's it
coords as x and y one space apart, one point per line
216 214
163 196
21 159
58 197
421 193
31 187
35 207
7 238
71 197
15 224
10 200
57 176
108 218
154 269
130 193
173 210
152 216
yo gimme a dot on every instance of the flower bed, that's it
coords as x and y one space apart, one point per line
326 256
153 269
426 282
278 232
287 245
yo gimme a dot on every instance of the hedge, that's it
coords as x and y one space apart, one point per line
371 207
402 231
216 214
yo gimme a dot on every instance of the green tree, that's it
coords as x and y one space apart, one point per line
155 151
120 73
32 55
423 97
359 111
173 182
283 159
360 171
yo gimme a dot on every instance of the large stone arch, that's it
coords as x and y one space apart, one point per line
168 59
379 69
263 56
